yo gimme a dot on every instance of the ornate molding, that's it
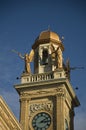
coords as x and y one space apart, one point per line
46 106
46 92
44 41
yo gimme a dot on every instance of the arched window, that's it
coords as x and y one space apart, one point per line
66 125
45 57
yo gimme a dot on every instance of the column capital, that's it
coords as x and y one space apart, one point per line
24 96
60 92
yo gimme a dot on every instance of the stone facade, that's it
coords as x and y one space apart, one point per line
54 96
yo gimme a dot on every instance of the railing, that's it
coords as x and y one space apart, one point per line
36 77
26 78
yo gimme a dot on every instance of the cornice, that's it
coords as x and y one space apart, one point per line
44 41
49 84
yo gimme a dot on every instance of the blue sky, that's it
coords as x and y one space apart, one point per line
21 22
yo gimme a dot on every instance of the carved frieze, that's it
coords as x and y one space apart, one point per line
46 92
46 106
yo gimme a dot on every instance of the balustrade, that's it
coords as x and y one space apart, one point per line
36 77
41 77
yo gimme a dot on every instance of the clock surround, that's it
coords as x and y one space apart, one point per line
41 121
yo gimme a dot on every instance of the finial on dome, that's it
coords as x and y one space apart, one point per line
48 27
62 37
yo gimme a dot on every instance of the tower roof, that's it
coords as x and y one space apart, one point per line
46 37
48 34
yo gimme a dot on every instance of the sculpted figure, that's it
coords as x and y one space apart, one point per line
27 58
60 59
57 55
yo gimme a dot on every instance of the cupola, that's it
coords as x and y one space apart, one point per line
48 36
48 50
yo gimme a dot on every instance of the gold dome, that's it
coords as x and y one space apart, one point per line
48 35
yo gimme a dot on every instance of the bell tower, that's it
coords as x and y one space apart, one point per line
47 46
47 99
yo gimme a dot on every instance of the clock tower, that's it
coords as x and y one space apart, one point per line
47 99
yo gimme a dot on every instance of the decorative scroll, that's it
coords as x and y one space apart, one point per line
47 106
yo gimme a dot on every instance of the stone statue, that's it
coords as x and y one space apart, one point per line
27 58
60 59
57 55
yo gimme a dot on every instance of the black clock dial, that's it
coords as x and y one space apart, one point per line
41 121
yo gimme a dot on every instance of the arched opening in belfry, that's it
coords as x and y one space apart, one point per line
45 56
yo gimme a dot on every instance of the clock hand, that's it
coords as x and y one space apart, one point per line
43 121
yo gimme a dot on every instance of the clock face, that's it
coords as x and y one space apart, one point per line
41 121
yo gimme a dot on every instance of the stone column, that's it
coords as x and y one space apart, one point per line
60 58
24 113
60 111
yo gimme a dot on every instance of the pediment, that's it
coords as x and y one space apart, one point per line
7 119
